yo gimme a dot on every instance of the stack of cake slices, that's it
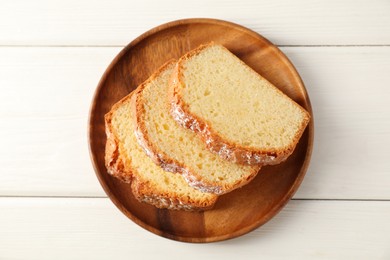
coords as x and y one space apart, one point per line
198 128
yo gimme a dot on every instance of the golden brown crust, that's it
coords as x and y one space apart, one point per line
145 194
166 162
113 159
117 167
214 141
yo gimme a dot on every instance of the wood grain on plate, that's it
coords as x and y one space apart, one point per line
235 213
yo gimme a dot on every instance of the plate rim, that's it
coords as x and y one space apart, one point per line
273 211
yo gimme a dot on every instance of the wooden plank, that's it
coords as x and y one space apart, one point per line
46 93
118 22
44 105
352 121
50 228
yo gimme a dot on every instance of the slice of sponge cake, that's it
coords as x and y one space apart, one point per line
239 114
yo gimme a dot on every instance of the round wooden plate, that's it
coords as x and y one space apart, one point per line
235 213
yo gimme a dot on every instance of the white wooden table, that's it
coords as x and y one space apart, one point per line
52 55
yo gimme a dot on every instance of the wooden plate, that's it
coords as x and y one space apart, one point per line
235 213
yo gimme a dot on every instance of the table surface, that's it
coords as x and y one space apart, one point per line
52 55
